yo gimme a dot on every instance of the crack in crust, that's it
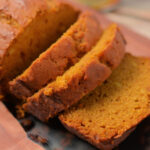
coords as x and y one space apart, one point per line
5 18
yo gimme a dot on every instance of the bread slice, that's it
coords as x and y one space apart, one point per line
111 112
27 28
84 76
77 41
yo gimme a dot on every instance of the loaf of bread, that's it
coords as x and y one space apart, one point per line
78 40
28 27
52 49
106 116
94 68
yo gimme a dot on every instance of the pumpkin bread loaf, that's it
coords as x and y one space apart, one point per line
106 116
77 41
28 27
84 76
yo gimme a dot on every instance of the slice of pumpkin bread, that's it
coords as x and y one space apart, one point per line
28 27
84 76
77 41
106 116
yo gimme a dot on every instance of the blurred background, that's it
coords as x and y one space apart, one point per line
133 13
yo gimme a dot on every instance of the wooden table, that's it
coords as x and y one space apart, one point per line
135 14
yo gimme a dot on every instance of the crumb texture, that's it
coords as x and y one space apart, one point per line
106 114
92 70
26 31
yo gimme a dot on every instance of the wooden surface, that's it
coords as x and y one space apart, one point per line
135 14
12 135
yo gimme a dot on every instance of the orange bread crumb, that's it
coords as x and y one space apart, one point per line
93 68
106 116
77 41
27 28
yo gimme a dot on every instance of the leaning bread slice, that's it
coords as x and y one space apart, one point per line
77 41
94 68
111 112
27 28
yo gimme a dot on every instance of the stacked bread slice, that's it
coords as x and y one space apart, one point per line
64 53
93 68
54 56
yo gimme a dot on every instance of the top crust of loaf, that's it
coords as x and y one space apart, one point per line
14 15
94 68
21 11
18 14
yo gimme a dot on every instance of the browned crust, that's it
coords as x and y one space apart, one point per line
79 39
109 144
20 14
73 85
